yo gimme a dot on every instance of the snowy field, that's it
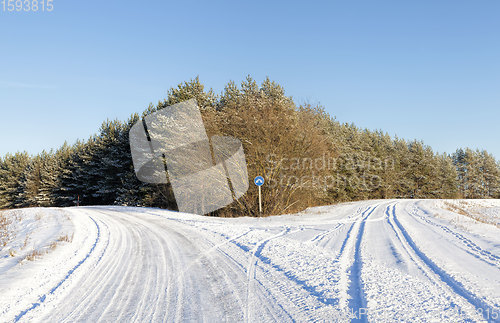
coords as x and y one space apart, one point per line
376 261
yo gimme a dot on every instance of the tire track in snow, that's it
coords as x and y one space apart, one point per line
278 286
125 289
209 258
160 279
109 279
70 272
218 248
350 219
252 263
146 303
470 247
442 276
93 305
250 269
263 291
284 283
311 290
302 306
98 262
101 273
357 301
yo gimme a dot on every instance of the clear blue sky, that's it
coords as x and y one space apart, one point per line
422 69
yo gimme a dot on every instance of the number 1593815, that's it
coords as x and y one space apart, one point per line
27 5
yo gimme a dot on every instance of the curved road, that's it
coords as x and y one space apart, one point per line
365 261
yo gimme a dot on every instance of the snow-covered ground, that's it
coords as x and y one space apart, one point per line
380 261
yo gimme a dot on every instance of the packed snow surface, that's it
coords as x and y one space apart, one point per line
375 261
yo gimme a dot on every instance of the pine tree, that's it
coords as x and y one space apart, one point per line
104 166
459 160
419 169
130 191
12 170
474 175
192 89
72 179
61 160
447 178
491 175
30 183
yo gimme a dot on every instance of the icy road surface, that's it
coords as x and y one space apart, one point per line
379 261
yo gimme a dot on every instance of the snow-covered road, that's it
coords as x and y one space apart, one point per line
378 261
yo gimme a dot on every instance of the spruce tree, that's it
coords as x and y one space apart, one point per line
12 172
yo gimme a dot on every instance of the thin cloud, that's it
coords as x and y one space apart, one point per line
23 85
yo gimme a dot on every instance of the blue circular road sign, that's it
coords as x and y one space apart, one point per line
259 180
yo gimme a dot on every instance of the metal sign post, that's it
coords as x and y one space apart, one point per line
259 181
260 200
